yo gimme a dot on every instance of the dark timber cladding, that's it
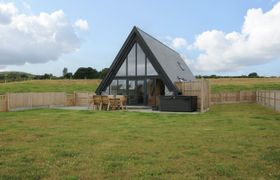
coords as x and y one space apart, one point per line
143 69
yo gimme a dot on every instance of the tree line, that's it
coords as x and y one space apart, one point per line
213 76
91 73
81 73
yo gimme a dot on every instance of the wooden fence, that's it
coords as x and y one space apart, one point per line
3 103
31 100
83 98
270 99
199 88
233 97
13 101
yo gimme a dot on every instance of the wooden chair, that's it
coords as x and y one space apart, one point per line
114 103
105 103
97 102
122 101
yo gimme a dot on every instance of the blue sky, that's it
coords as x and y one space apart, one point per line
109 23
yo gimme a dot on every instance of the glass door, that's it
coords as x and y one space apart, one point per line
140 92
131 92
151 91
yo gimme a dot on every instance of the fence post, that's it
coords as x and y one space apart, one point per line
263 98
7 102
239 96
65 98
201 96
275 100
209 94
30 98
257 97
75 100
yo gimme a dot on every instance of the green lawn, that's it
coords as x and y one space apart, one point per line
244 84
236 88
238 141
49 86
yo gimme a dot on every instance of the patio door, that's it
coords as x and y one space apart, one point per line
140 92
131 94
155 88
136 92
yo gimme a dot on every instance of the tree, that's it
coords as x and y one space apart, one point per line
68 76
64 71
253 75
86 73
103 73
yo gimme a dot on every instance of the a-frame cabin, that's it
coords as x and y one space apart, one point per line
143 69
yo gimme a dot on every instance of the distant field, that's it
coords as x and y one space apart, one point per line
240 84
217 85
50 86
228 142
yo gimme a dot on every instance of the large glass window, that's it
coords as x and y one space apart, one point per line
132 79
140 61
121 87
131 92
131 61
122 70
151 88
113 87
150 69
140 91
131 87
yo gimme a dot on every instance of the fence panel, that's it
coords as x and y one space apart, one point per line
83 98
70 99
233 97
3 103
270 99
29 100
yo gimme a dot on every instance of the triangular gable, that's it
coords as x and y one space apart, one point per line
134 37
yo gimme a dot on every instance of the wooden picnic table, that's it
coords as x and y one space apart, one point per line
117 102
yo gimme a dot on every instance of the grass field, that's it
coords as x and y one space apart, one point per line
218 85
231 141
241 84
50 86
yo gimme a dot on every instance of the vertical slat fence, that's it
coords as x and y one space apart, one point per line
3 103
270 99
199 88
30 100
233 97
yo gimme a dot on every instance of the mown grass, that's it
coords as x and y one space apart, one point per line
49 86
243 84
230 142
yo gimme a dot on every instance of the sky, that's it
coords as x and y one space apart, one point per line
233 37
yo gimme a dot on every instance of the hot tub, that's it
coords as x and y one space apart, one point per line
178 103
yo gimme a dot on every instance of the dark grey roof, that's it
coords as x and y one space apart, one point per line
171 61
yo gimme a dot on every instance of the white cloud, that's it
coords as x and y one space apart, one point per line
82 24
34 38
178 43
6 12
257 43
